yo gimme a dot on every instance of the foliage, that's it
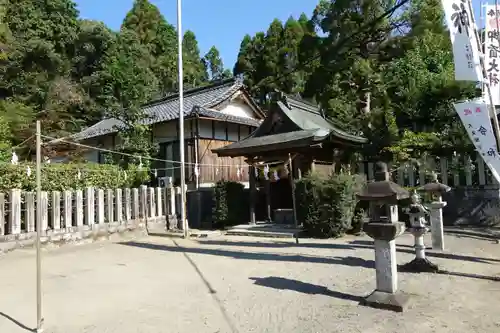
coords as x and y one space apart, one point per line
60 177
326 205
228 208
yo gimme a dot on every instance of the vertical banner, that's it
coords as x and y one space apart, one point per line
463 39
492 52
476 120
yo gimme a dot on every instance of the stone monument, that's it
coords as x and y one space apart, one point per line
383 195
436 189
418 229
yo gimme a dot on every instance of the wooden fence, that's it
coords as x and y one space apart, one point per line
61 211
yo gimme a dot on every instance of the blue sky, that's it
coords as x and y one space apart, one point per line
222 23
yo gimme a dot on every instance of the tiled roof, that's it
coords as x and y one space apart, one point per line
225 117
167 108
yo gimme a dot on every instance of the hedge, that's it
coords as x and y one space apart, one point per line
230 204
326 204
65 176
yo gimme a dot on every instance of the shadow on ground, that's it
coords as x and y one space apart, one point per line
24 327
302 287
353 245
347 261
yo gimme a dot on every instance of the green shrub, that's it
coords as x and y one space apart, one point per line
64 176
326 205
229 206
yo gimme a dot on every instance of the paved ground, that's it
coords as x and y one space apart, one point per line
239 284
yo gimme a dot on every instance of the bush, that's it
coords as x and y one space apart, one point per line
64 176
230 204
326 205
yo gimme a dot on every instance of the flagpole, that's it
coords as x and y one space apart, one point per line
39 318
493 114
181 118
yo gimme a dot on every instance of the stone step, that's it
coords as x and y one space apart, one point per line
260 233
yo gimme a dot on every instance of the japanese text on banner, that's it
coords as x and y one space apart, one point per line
492 52
459 20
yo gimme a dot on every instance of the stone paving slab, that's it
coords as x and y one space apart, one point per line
234 284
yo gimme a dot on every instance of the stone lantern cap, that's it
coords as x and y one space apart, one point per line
382 189
434 186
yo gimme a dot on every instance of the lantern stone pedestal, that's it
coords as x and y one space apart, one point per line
386 295
383 196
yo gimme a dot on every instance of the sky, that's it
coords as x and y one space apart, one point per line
222 23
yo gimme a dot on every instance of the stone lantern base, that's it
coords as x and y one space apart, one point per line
420 264
386 295
397 301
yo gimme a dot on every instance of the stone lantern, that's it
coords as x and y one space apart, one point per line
418 229
436 189
383 195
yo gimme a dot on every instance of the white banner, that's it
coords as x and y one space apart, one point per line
476 119
459 20
492 53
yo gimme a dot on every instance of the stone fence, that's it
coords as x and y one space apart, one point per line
75 215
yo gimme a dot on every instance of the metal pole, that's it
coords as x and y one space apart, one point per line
39 319
292 184
493 113
181 118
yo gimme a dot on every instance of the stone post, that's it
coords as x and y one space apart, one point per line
100 207
178 201
128 205
143 200
118 205
90 206
56 210
30 211
384 230
135 204
79 208
152 203
2 214
109 206
68 209
172 197
418 229
14 227
437 230
159 202
43 205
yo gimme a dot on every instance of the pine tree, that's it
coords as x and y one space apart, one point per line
214 65
194 68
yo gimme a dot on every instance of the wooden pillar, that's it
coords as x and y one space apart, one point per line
292 185
253 193
267 190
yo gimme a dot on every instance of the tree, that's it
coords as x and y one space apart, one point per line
126 83
215 66
194 68
159 37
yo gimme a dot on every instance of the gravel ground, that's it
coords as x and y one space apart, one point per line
242 284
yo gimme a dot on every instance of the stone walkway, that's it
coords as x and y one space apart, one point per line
240 284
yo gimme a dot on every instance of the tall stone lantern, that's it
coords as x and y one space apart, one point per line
384 227
436 189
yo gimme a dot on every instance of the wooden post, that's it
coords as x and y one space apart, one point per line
30 211
100 207
68 209
253 193
292 184
118 205
159 202
14 227
43 205
56 210
2 214
267 190
152 203
128 205
109 206
79 208
135 204
90 206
